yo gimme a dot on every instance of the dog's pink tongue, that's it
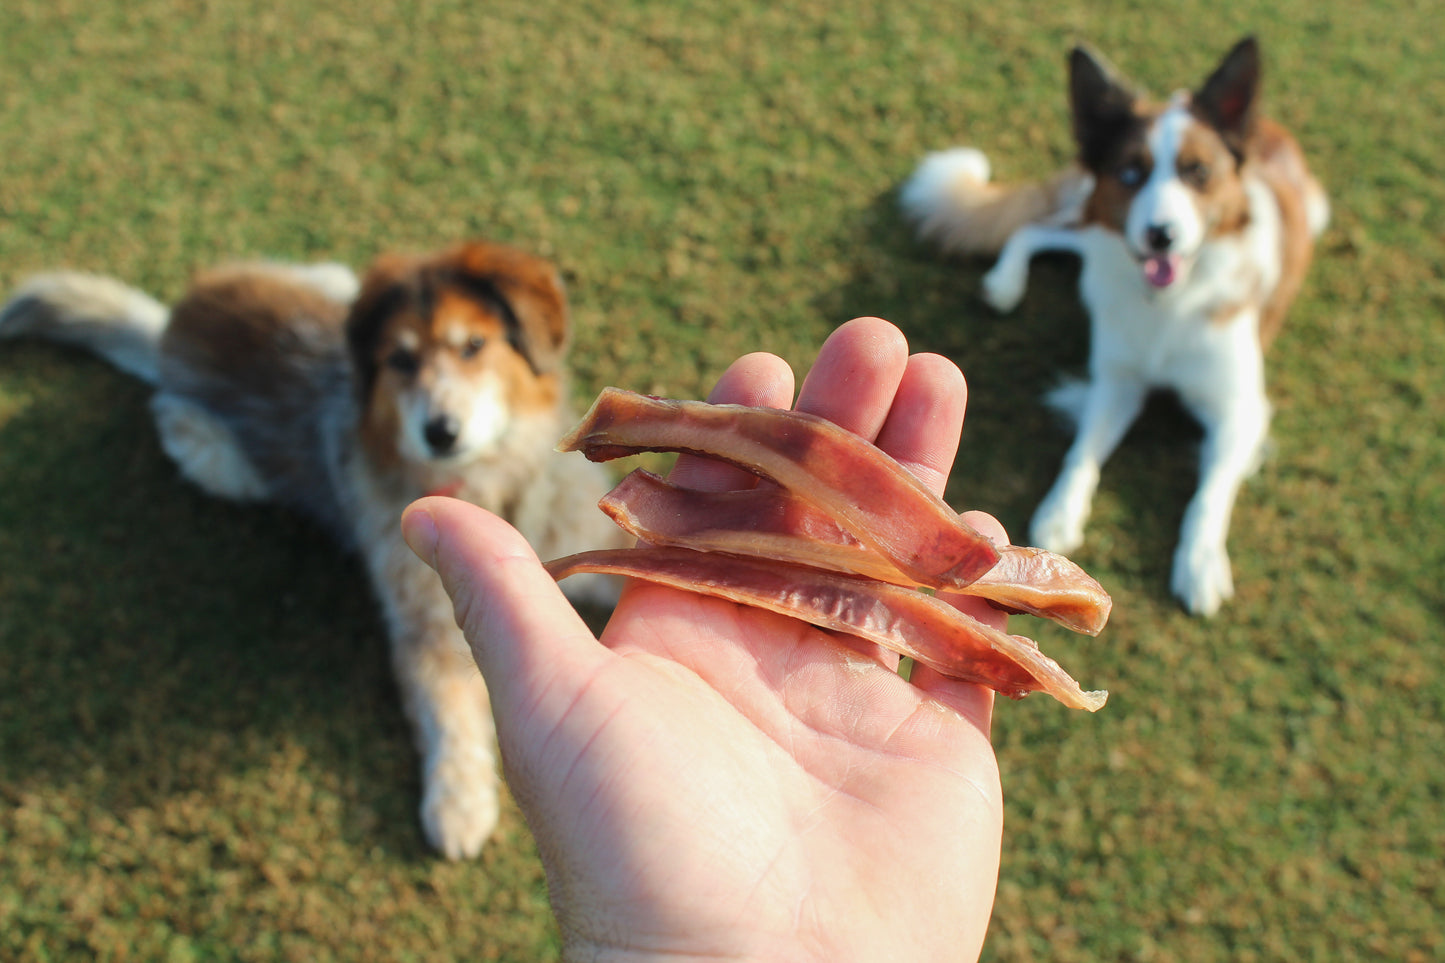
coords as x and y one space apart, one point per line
1161 269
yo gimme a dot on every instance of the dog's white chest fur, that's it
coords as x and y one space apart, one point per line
1199 337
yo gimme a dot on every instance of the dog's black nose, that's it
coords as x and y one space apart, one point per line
1159 237
442 433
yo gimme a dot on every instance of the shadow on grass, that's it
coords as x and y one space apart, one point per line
155 641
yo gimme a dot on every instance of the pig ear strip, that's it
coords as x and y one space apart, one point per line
843 538
771 522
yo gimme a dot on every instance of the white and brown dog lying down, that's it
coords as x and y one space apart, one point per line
1195 219
347 400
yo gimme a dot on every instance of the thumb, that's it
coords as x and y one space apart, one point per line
523 633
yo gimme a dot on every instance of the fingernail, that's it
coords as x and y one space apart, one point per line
420 531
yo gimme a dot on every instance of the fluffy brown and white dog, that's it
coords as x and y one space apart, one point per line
347 400
1195 220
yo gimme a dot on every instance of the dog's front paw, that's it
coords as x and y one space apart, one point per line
1004 284
1202 579
460 805
1055 527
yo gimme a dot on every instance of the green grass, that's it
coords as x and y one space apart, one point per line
201 751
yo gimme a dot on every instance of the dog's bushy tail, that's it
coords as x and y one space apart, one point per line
954 204
98 313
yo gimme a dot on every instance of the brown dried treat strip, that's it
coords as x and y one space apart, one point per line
769 522
1048 585
849 479
903 620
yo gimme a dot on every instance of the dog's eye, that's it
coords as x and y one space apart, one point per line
1195 172
470 349
402 361
1131 174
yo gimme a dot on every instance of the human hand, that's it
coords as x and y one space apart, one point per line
714 781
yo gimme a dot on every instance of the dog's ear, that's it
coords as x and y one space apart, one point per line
1228 97
531 290
386 287
1102 104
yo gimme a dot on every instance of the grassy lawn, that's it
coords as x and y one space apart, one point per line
201 751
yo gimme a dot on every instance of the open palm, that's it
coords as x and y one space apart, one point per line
714 781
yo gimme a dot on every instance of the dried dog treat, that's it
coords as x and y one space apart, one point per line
872 496
845 540
908 622
770 522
